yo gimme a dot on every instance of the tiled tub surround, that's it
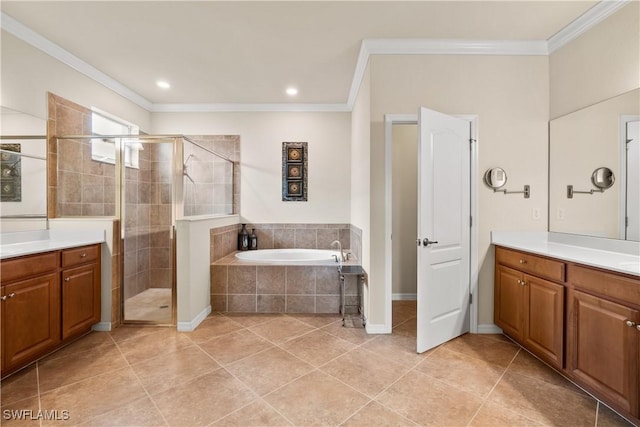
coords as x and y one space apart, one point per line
249 287
224 240
252 287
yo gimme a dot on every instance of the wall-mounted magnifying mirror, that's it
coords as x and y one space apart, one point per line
603 178
495 178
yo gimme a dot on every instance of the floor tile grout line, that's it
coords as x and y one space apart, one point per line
38 385
486 398
401 376
476 357
255 393
142 385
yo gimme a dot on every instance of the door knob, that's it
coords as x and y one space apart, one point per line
427 242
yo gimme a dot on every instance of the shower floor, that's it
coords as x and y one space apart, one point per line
153 304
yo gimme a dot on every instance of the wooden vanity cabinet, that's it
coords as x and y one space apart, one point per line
80 290
603 338
46 300
529 308
598 328
30 308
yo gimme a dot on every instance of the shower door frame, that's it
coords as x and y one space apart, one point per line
176 207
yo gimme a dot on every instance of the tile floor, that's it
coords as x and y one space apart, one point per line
283 370
153 304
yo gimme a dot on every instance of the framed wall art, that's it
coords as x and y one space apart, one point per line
10 173
294 171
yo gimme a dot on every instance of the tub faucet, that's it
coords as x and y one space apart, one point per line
337 242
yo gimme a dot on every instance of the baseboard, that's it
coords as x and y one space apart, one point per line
192 325
404 297
380 328
101 327
489 328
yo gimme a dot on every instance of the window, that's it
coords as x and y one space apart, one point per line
104 149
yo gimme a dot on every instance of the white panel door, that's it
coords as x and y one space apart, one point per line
444 211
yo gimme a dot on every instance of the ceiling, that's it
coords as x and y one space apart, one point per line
249 52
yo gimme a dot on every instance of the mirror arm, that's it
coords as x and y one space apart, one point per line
526 191
571 191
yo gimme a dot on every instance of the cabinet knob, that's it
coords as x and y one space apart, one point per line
83 255
67 279
523 261
3 298
630 323
638 326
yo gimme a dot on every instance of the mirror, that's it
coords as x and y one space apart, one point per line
23 171
603 178
580 143
495 178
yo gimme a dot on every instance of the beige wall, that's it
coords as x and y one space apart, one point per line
581 142
360 206
510 97
405 209
28 74
601 63
261 138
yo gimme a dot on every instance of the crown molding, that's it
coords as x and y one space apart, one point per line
455 47
245 108
26 34
358 75
368 47
584 22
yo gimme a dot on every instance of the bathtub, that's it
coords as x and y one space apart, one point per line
290 256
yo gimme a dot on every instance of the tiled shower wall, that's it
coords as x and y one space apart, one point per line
214 187
147 246
276 288
78 186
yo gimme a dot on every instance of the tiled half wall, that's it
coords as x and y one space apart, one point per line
278 288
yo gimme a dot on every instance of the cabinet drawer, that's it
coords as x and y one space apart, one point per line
77 256
538 266
606 284
29 266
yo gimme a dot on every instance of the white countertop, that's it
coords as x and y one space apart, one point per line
619 256
14 244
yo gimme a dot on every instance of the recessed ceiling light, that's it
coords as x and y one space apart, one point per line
292 91
163 84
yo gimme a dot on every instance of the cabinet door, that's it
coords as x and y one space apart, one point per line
509 302
30 319
603 349
544 320
80 299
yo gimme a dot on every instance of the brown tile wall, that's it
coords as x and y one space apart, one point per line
276 288
216 186
77 185
148 257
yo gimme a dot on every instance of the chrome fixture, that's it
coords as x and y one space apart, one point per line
185 171
496 178
337 242
602 178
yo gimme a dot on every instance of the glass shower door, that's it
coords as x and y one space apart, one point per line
148 243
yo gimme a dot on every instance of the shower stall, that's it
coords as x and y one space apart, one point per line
147 182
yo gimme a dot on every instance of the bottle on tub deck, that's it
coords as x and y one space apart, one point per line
243 239
253 240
